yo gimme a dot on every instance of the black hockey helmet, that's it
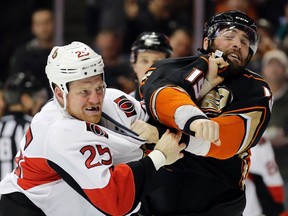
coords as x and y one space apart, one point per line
18 84
151 41
230 19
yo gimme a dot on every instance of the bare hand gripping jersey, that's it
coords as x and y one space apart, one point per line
242 107
66 166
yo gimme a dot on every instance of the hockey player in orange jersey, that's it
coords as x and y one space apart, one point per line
222 116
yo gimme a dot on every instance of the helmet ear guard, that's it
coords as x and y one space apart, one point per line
150 41
72 62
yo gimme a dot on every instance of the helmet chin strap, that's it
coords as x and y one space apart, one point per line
65 101
63 108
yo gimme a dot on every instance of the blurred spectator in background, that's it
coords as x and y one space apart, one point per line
147 49
155 15
31 58
181 42
264 185
15 19
266 43
101 14
23 94
281 35
246 6
118 72
275 72
2 100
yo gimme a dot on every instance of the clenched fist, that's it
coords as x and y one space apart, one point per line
207 130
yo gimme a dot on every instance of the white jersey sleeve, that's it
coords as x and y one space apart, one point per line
263 163
121 106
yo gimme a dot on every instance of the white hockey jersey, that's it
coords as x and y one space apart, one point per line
66 166
263 163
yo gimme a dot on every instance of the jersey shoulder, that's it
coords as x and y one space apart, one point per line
118 99
253 75
175 62
254 78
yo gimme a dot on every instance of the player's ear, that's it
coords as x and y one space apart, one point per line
59 95
205 43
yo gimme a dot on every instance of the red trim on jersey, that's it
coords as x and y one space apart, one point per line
29 137
232 131
284 213
117 197
167 101
34 172
277 192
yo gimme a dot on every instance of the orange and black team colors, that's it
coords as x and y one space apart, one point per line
241 105
238 104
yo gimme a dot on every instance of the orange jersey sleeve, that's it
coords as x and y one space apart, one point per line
239 130
232 131
167 101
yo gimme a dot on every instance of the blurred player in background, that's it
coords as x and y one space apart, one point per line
23 96
264 185
147 49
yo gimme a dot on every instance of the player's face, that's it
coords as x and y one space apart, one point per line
181 43
234 43
144 60
274 72
43 25
85 99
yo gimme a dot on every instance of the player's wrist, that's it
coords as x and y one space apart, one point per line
158 158
207 86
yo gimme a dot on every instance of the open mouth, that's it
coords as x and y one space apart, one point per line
234 57
93 109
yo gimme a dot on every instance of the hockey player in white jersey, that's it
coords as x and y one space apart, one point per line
66 162
264 185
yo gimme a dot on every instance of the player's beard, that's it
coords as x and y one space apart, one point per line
234 68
